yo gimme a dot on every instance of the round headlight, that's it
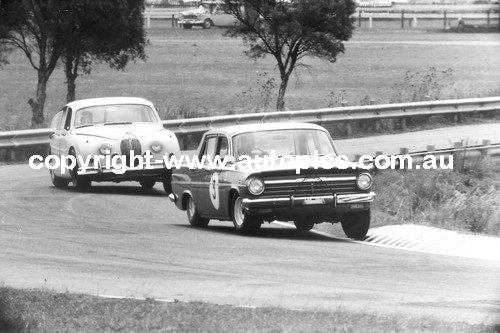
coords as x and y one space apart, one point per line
255 186
156 146
364 181
105 149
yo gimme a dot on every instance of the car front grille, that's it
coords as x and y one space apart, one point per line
188 17
130 146
307 186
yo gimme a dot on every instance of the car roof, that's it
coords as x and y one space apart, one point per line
83 103
258 127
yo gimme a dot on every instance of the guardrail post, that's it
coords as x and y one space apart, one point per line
485 151
370 20
488 18
173 21
404 151
402 19
148 21
414 25
12 154
445 25
403 124
359 18
456 153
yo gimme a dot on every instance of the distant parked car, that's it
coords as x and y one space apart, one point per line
248 192
208 14
107 127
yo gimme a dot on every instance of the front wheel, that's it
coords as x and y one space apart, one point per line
147 183
243 222
78 181
303 224
356 225
58 181
193 217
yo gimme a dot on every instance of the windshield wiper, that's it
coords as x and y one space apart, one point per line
118 123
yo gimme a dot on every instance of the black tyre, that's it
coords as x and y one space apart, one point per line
303 224
194 218
244 223
207 24
167 181
78 181
356 225
147 183
58 181
187 26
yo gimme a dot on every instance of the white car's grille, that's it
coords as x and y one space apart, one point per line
130 146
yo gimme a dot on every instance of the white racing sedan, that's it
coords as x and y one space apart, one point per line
111 139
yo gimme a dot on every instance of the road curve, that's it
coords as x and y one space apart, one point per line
123 241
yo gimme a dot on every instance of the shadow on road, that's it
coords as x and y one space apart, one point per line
116 189
268 231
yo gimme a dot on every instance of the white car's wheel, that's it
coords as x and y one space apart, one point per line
147 183
78 181
241 221
194 218
207 24
58 181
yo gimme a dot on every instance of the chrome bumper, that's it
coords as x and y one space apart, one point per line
329 200
100 170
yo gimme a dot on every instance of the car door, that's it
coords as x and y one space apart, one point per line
217 180
58 138
200 178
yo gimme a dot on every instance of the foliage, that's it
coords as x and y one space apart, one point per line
465 198
104 31
290 31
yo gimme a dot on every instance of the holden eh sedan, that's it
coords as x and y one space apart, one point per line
259 180
101 128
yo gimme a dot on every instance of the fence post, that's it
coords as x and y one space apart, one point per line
485 151
445 25
402 19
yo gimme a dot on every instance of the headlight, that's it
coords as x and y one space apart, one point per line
364 181
255 185
156 147
105 149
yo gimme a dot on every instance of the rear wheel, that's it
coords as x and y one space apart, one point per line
194 218
207 24
356 225
243 222
303 224
58 181
147 183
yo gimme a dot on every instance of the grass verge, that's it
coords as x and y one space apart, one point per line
45 311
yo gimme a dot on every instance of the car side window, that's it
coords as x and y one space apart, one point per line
56 121
222 147
67 121
209 147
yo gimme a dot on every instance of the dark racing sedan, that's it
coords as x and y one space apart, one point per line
249 174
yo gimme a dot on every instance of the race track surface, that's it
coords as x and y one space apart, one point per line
123 241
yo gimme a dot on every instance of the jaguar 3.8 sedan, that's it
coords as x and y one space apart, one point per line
95 132
268 172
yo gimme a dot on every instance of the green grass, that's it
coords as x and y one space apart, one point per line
198 72
44 311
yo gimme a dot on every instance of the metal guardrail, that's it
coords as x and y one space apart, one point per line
14 139
340 114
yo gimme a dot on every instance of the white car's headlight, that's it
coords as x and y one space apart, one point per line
105 149
255 185
364 181
156 147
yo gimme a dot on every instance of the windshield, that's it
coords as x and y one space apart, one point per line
284 142
117 113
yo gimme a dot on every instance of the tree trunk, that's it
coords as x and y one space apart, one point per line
71 71
37 104
280 103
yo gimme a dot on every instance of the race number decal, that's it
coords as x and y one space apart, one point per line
214 190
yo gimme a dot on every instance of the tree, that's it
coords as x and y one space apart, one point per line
109 31
39 28
290 31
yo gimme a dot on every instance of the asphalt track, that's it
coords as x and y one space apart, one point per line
120 240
